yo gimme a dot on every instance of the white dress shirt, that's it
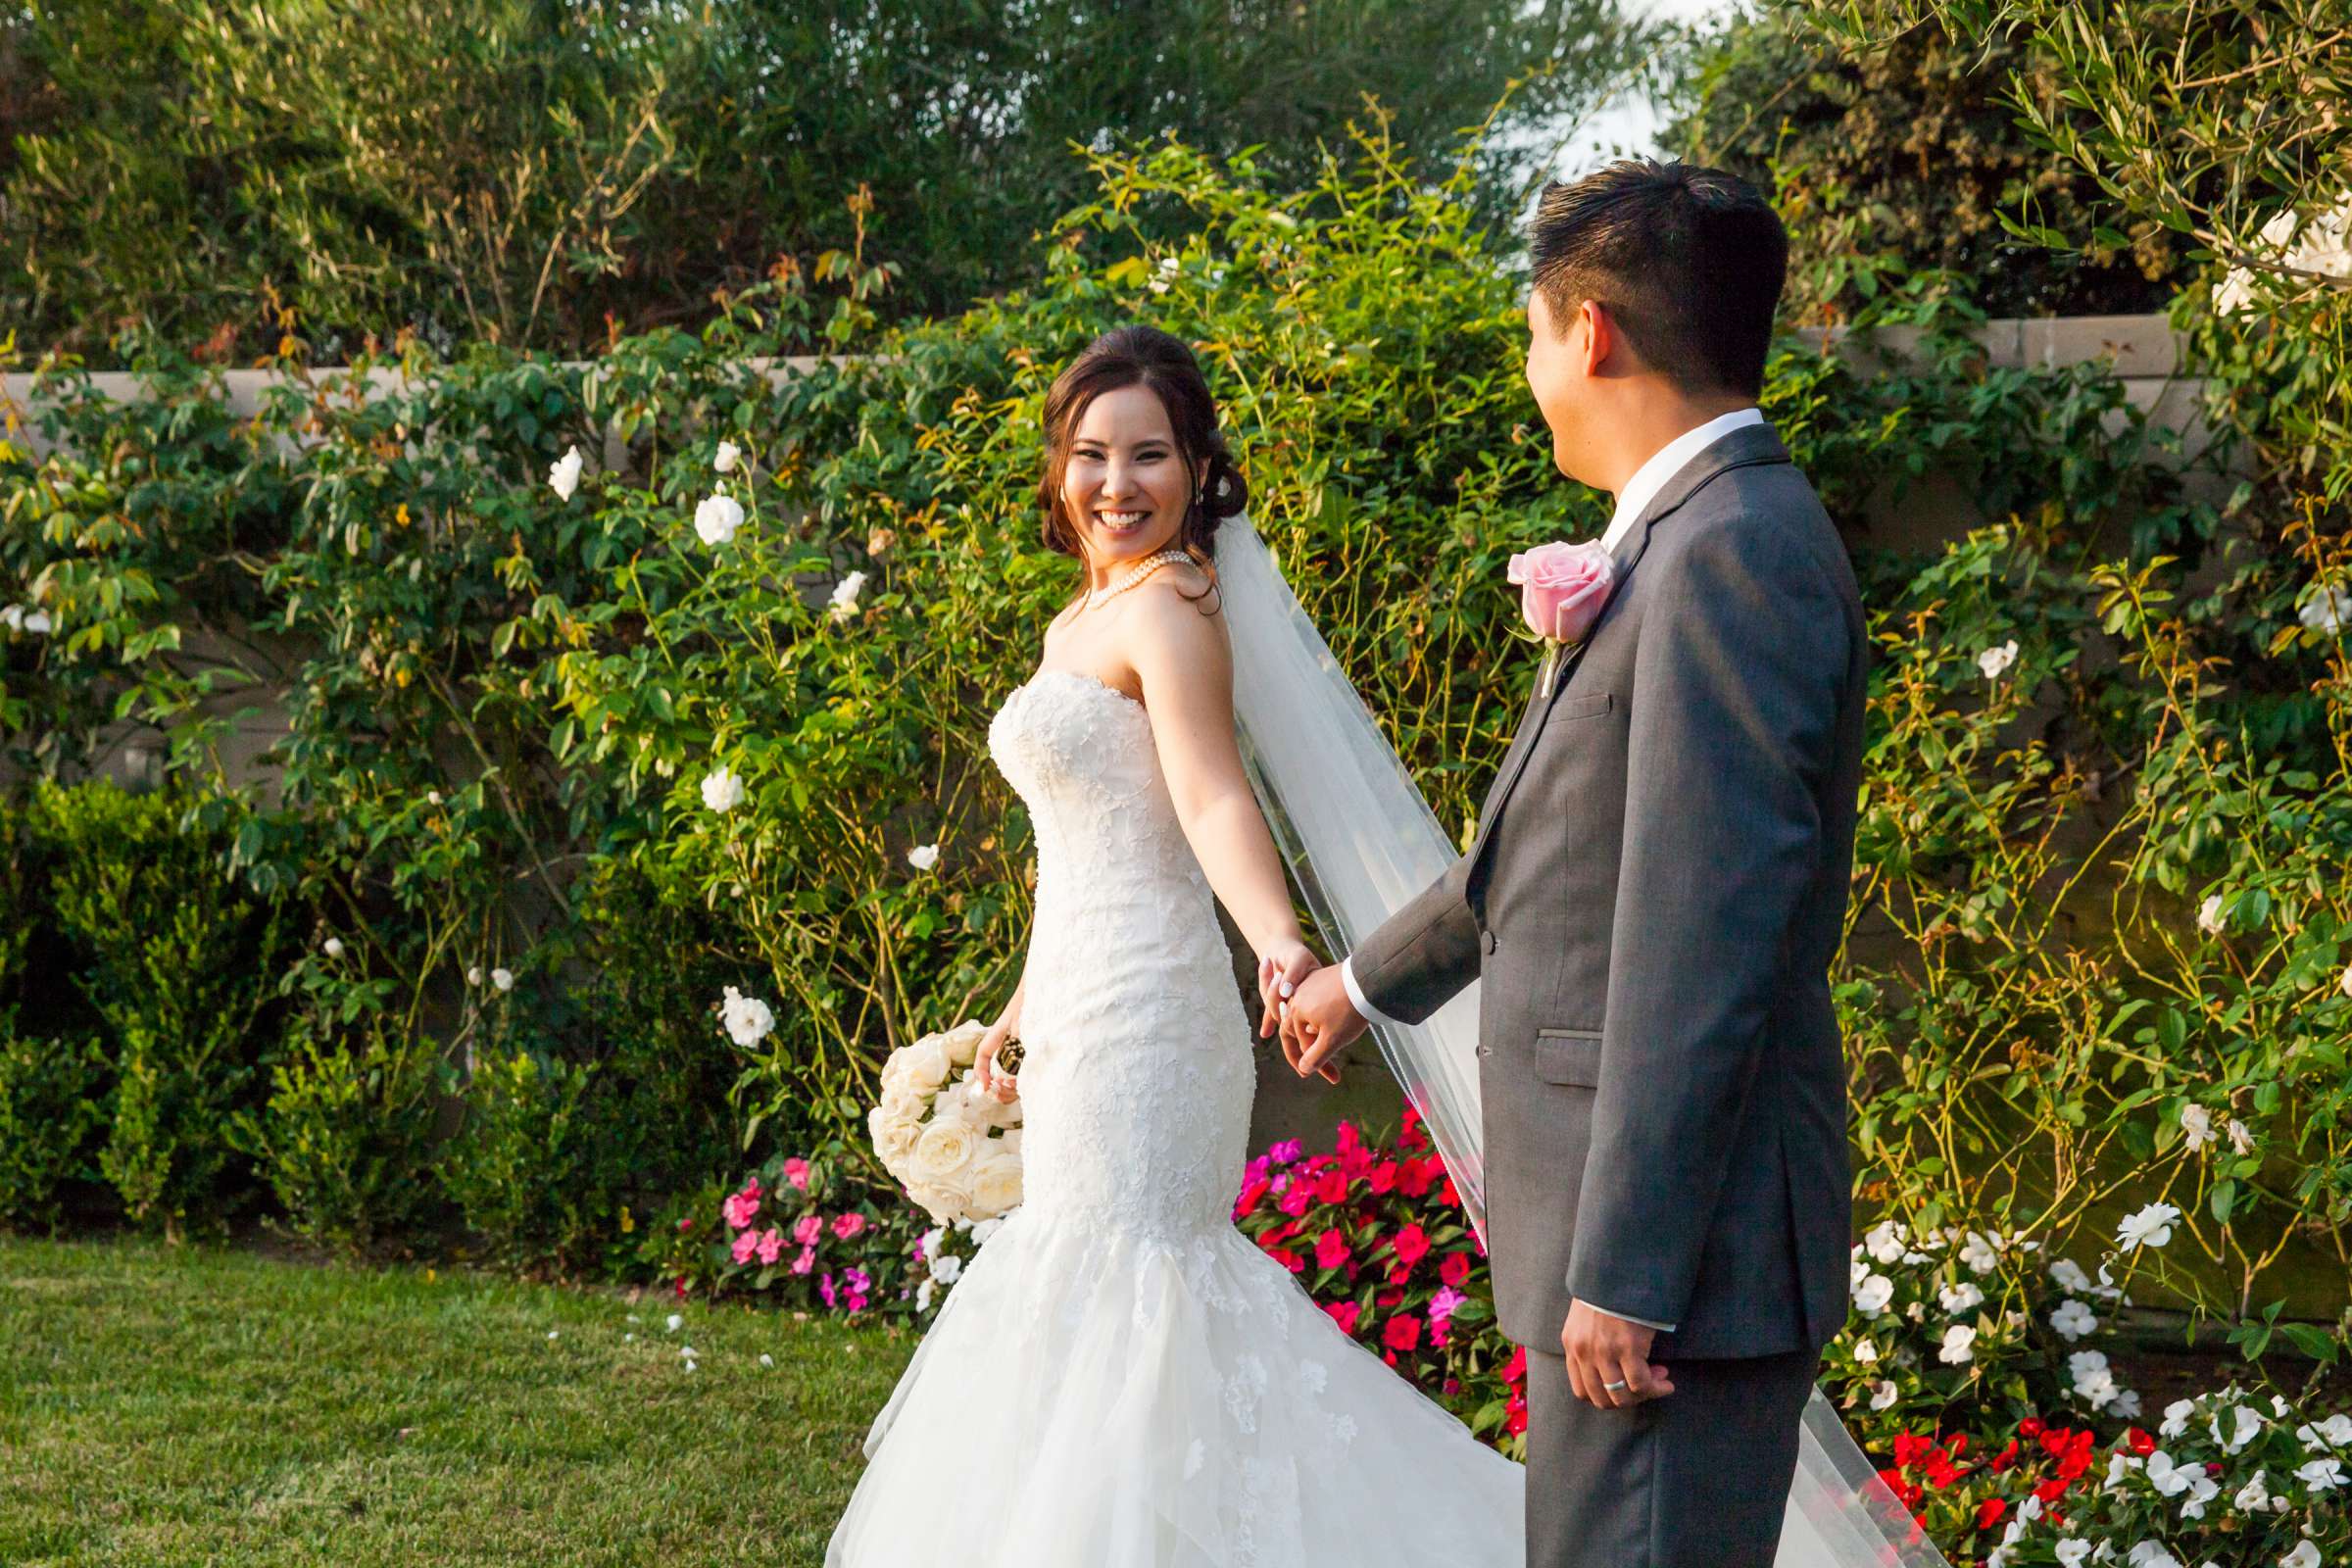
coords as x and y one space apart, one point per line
1632 501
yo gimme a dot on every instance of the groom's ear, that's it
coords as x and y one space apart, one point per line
1593 337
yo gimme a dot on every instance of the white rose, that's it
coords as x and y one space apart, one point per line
2326 612
996 1184
943 1149
2152 1226
1873 1294
724 460
1995 661
722 791
2196 1125
845 595
893 1135
333 946
503 979
923 857
564 474
1958 1346
2209 915
964 1042
748 1019
927 1064
717 516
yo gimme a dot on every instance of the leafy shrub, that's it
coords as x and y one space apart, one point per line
520 1166
50 1103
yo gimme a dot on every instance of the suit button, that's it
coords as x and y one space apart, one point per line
1487 938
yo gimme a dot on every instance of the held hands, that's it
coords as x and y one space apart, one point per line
1602 1351
1320 1024
1286 968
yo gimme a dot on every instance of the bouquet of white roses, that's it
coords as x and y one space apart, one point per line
953 1148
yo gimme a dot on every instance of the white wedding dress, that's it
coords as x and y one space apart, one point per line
1119 1379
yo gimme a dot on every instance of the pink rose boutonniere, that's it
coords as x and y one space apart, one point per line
1562 590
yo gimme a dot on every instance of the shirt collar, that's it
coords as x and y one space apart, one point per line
1664 464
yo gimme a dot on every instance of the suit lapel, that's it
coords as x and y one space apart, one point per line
1740 449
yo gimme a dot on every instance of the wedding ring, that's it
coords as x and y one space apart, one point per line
1613 1388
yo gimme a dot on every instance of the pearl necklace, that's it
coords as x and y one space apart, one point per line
1144 569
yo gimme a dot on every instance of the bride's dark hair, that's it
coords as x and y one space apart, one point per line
1144 356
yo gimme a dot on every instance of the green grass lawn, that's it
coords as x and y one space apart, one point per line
200 1406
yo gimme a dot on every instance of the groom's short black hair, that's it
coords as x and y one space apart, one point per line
1687 261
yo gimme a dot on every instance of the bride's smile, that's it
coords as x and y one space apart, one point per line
1126 487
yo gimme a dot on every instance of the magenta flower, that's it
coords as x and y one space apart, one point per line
824 1288
744 1205
1298 1200
1331 1250
859 1280
857 1304
1412 1245
848 1225
807 1228
795 1171
1343 1313
1284 1152
805 1261
746 1244
771 1244
1444 1304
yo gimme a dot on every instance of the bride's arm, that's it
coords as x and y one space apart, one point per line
1186 667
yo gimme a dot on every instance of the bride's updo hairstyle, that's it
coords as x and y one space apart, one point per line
1144 356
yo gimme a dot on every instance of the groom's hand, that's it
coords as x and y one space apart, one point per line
1321 1023
1602 1351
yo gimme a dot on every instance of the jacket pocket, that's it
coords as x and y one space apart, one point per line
1568 1056
1583 705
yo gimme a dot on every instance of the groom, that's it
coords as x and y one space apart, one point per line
1652 900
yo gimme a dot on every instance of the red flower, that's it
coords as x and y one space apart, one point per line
1251 1195
1515 1369
1289 1259
2002 1460
2051 1491
681 1287
1515 1419
1331 1187
2138 1441
1414 1176
1383 1176
1404 1332
1454 1269
1454 1200
1409 1131
1343 1313
1411 1245
1910 1449
1387 1298
2030 1427
1331 1250
1906 1491
1989 1511
1295 1200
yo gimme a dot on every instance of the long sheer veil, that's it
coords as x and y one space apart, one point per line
1360 841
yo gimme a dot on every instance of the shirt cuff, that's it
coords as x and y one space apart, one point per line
1628 1317
1355 995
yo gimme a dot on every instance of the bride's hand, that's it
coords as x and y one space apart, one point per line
1279 972
997 1085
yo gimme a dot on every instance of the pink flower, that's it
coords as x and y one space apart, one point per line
741 1209
807 1228
1284 1152
857 1304
859 1280
1297 1200
848 1225
771 1244
824 1288
746 1244
1331 1250
1343 1313
805 1261
1445 1303
795 1171
1562 587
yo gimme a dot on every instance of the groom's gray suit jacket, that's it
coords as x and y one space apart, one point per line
1652 900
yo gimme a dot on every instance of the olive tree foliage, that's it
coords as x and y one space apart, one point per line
553 174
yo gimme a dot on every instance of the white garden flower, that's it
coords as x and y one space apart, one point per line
2124 1406
2249 1422
1981 1253
1886 1240
924 1292
687 1351
1883 1396
2235 292
2254 1496
1959 1342
2209 915
1873 1294
332 947
2305 1556
2196 1125
1995 661
2327 611
2072 1320
716 517
2072 1553
551 1333
923 857
2094 1381
2333 1432
474 974
845 595
1964 1296
766 1359
564 474
748 1019
673 1323
1865 1352
986 1228
2070 1276
2241 1139
2152 1226
2343 982
2151 1554
948 1269
2176 1418
724 460
2322 1475
503 979
722 789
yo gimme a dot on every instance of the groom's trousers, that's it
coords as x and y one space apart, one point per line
1699 1479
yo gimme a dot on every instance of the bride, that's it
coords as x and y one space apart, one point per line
1119 1379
